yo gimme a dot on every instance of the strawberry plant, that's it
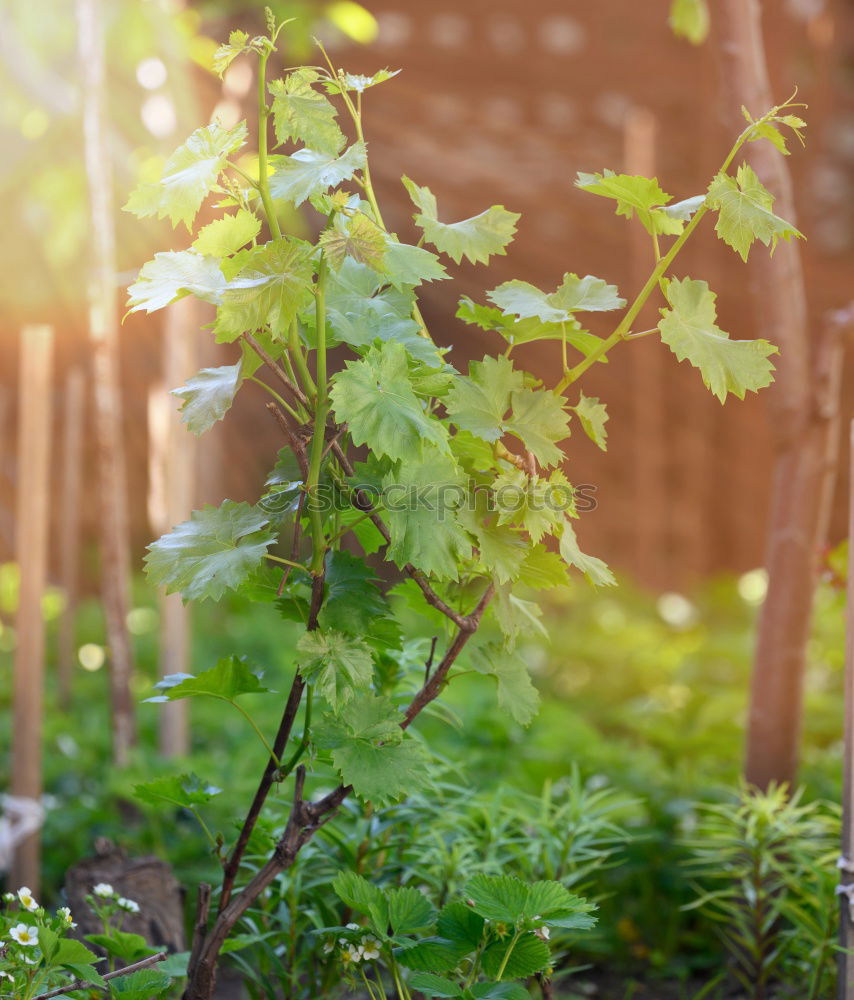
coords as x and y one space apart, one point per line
396 463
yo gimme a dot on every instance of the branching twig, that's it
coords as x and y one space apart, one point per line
307 818
278 371
82 984
295 443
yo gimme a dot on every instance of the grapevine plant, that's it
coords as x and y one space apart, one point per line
448 480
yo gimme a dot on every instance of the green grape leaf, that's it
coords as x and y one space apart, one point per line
352 81
592 567
528 956
371 752
477 239
744 211
359 311
360 895
230 678
527 331
685 209
517 695
539 421
516 617
302 114
208 396
689 19
172 275
309 172
189 175
335 664
216 550
479 402
535 503
768 130
502 550
543 570
374 397
357 238
574 294
634 194
593 416
270 287
354 604
690 330
435 986
409 910
185 791
422 497
587 294
227 235
238 42
407 265
526 301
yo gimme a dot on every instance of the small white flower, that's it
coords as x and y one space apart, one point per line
351 954
65 915
29 961
128 905
543 933
8 897
104 890
328 946
370 949
26 899
6 975
24 934
352 927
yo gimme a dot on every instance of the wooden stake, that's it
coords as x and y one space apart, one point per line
32 516
846 888
69 526
180 360
103 332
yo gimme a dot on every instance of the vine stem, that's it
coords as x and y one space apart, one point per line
662 265
276 396
285 562
355 112
263 115
321 411
631 315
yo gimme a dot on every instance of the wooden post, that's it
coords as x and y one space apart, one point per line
803 407
103 332
32 528
70 494
178 460
846 889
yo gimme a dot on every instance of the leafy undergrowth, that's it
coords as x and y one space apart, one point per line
644 696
